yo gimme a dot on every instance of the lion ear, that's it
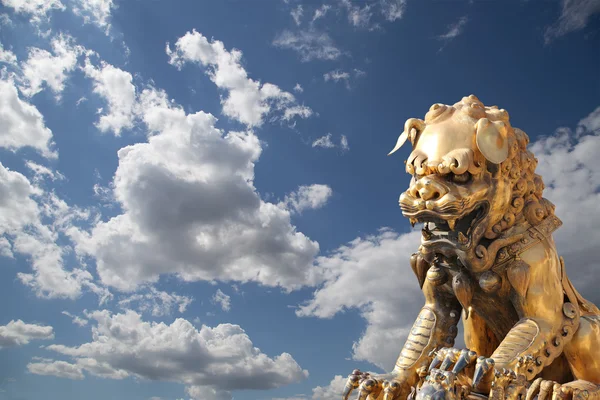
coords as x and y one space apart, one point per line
412 128
492 140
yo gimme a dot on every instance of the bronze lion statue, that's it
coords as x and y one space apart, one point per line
486 254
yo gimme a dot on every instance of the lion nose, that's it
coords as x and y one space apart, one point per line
431 190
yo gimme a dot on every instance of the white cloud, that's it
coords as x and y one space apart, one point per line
38 9
357 276
5 20
19 333
574 16
77 320
298 88
310 45
393 9
21 223
60 369
344 143
568 164
307 197
336 76
96 12
42 172
190 208
248 101
209 361
333 391
116 87
326 142
223 300
43 67
321 12
297 13
7 56
454 29
157 302
22 123
357 16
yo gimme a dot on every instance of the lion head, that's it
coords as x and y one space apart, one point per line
473 182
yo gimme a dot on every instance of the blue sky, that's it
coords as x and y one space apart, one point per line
195 197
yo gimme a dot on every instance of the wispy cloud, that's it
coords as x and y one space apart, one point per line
297 13
326 142
309 44
342 76
454 29
574 16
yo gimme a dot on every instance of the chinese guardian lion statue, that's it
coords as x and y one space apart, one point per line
486 253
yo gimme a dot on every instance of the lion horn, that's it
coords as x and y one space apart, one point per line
412 127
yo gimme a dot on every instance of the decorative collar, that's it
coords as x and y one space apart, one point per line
530 238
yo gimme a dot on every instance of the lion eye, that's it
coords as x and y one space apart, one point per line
462 178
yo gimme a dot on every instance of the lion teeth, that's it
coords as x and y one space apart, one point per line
462 238
452 223
426 234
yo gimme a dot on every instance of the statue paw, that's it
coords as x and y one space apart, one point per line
452 359
577 390
392 386
371 386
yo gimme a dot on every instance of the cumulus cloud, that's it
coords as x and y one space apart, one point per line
156 302
357 276
116 87
326 142
60 369
298 88
22 124
310 45
568 165
7 56
208 361
19 333
43 67
23 207
332 391
248 101
574 16
307 197
223 300
38 10
190 208
96 12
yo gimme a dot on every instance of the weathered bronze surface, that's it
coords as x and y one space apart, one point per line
486 253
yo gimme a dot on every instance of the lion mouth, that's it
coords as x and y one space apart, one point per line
449 228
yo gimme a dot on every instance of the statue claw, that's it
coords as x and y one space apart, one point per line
482 370
352 383
390 390
465 358
368 387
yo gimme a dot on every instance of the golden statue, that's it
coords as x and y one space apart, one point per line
486 253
